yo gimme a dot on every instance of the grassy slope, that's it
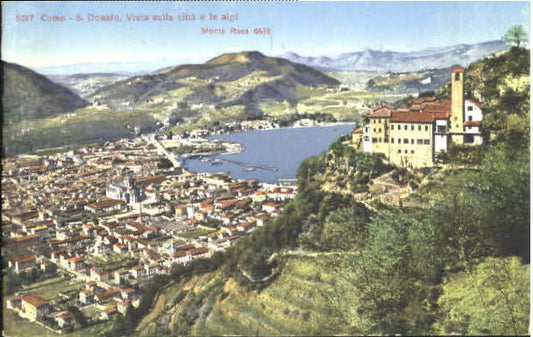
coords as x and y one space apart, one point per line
303 300
82 125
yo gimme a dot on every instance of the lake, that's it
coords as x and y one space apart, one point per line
270 155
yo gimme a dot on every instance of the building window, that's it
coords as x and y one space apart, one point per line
426 141
457 76
374 140
379 130
426 128
419 141
399 151
412 141
366 129
379 121
392 127
468 139
405 151
412 128
366 138
392 140
419 127
441 128
386 139
470 108
412 151
399 140
405 127
406 141
379 139
469 118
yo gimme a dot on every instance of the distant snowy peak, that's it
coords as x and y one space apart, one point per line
393 61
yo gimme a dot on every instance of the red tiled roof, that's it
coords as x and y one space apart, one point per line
413 117
358 130
380 112
25 258
473 123
108 293
458 70
479 105
444 106
35 300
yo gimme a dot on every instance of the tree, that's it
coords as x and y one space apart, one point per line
493 299
515 35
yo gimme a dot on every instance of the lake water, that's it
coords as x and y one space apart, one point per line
277 152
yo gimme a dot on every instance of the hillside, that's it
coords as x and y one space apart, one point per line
237 79
29 95
85 84
413 82
392 61
366 248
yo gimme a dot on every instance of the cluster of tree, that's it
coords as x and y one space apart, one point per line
14 281
445 268
312 211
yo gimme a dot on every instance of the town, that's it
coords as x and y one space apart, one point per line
85 229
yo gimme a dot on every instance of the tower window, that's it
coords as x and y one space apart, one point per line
457 76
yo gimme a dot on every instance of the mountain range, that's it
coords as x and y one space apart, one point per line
393 61
245 78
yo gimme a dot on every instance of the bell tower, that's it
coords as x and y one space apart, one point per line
457 108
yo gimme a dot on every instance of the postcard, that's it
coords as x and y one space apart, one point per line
265 168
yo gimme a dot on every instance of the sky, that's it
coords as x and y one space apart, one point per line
307 28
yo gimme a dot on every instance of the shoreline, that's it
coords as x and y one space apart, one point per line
38 152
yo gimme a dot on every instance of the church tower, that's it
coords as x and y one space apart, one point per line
457 108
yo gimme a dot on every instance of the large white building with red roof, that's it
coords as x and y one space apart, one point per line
413 136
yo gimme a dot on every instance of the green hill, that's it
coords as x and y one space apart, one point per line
236 79
448 255
29 95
